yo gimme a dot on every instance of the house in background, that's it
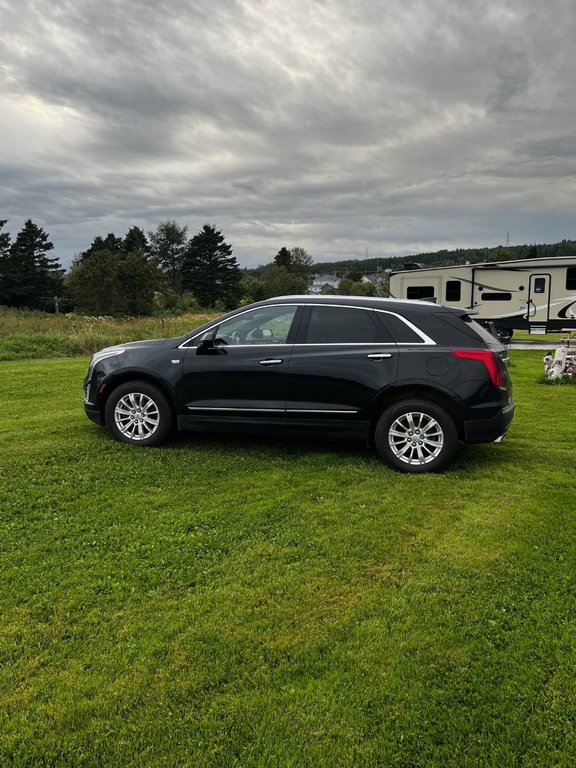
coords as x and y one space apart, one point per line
324 284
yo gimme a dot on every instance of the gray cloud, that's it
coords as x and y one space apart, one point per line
334 125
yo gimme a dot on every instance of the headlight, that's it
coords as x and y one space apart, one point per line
98 356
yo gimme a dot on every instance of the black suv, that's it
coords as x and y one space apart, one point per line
411 377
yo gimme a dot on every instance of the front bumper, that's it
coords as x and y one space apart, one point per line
94 414
489 430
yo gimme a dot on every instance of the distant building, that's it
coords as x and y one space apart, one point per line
324 284
372 277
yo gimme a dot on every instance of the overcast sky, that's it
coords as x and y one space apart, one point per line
393 126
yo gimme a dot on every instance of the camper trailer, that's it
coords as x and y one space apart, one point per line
535 294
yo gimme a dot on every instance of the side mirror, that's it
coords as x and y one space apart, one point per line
206 341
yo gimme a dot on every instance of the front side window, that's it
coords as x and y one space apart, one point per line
268 325
344 325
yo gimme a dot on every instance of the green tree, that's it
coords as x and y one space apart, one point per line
251 289
209 269
356 288
6 265
135 240
283 258
35 278
279 281
167 247
94 283
300 262
138 279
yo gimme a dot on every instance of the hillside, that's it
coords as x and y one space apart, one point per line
445 257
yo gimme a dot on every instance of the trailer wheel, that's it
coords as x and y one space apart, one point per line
503 333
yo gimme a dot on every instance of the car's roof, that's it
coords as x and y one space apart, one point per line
373 302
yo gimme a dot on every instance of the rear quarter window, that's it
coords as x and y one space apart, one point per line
400 332
468 326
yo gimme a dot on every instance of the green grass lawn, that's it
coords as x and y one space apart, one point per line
227 601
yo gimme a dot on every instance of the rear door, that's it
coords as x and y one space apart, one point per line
343 357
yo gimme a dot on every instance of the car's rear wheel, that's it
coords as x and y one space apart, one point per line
138 413
416 436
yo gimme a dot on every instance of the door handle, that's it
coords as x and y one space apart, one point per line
379 356
271 362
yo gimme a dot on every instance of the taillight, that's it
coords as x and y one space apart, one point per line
490 360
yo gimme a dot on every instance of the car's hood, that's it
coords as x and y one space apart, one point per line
144 343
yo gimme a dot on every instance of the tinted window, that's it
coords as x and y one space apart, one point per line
496 296
571 278
416 292
453 290
269 325
399 331
340 325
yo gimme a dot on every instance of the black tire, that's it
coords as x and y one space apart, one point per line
504 334
416 436
138 413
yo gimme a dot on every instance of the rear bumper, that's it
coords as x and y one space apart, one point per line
489 430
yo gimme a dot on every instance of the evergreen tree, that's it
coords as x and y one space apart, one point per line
297 260
135 240
283 258
35 277
167 246
6 265
210 271
109 243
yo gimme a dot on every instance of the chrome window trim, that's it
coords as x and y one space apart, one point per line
426 340
186 344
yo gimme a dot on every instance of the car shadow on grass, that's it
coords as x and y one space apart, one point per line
267 447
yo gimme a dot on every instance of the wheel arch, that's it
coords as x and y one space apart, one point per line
111 383
394 395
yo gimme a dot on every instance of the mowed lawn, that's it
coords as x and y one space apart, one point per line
228 601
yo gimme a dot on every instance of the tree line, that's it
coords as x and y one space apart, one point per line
138 274
446 258
166 270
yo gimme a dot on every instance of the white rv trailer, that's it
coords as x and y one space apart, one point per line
537 294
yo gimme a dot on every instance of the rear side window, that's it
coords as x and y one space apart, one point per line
465 324
343 325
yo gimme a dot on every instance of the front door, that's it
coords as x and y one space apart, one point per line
238 375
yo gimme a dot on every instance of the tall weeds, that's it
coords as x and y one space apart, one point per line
25 335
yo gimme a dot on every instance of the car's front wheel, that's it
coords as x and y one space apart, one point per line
138 413
416 436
